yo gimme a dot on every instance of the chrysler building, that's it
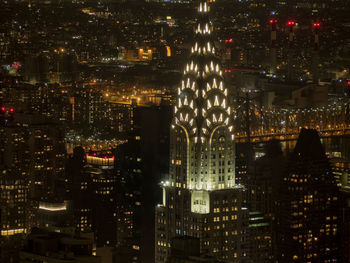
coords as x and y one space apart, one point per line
200 197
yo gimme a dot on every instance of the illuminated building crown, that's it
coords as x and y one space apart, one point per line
203 113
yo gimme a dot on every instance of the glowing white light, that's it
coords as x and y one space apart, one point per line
185 101
226 121
214 84
208 122
214 118
175 109
220 118
223 104
191 104
208 86
209 105
221 86
181 117
53 206
188 83
216 101
225 92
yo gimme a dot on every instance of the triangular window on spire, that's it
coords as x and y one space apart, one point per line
209 105
208 86
216 101
193 87
214 84
223 104
221 86
188 83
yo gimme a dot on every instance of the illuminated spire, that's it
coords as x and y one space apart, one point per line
203 111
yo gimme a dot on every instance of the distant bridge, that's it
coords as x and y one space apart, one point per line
263 125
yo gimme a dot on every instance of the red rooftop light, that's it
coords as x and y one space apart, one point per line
3 109
94 154
291 23
317 24
12 110
273 21
228 40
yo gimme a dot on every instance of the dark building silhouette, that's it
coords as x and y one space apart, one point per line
140 164
45 246
308 220
264 184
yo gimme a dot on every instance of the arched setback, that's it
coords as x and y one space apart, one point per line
221 159
218 173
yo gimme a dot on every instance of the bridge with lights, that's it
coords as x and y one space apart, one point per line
262 125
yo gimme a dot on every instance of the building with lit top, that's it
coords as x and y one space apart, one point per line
200 196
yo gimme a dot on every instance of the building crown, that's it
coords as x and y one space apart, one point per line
202 103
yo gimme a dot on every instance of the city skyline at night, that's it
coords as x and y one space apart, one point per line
174 131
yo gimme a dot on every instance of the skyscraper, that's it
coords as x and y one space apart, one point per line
31 160
200 197
308 215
